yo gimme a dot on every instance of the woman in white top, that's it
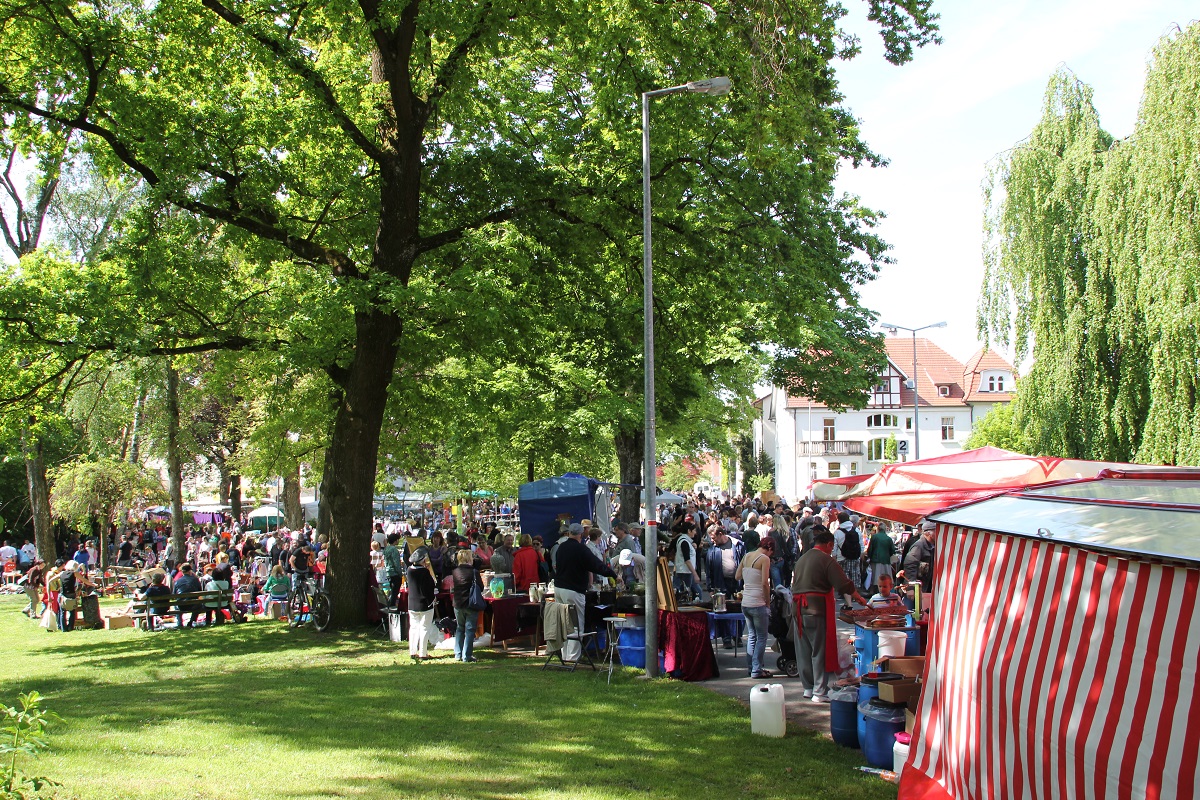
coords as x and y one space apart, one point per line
755 571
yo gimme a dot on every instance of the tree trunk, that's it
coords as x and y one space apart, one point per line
631 446
235 495
351 460
175 464
223 484
324 523
293 512
136 427
529 470
102 533
39 496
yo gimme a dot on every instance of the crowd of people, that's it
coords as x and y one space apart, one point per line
739 547
261 566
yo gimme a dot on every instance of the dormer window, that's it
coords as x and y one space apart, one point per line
995 383
943 390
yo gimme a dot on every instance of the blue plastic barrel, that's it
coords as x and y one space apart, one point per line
883 721
843 717
631 646
868 690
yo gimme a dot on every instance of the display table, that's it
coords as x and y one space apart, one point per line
683 641
730 623
513 617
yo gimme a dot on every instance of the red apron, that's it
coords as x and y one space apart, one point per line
832 662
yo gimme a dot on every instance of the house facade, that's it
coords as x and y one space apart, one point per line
808 440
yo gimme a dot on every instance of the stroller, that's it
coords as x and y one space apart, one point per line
782 626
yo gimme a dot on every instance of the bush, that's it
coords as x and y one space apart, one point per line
23 733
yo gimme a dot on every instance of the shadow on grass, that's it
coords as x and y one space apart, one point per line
368 722
170 648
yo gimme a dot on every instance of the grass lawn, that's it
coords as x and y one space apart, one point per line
260 711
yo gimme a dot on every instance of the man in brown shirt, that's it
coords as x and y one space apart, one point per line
817 573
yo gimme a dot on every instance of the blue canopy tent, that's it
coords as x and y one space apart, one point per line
543 502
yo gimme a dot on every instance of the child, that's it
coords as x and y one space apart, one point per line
885 597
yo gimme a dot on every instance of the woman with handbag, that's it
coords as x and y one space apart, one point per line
468 602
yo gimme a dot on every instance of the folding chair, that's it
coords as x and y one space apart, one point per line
585 657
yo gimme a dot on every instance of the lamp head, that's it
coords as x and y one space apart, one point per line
714 87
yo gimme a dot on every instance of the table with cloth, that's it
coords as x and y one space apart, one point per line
686 648
511 618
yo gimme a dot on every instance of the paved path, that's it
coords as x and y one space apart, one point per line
735 681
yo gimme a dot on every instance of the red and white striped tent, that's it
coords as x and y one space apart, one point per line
1065 645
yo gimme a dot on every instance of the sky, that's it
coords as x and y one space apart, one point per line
943 116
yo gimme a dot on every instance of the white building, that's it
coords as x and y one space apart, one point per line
808 440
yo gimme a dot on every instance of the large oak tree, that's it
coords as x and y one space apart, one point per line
394 145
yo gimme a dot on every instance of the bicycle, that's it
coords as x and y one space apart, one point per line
308 602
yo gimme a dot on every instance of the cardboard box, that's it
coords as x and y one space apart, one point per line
899 691
275 610
908 666
117 622
910 720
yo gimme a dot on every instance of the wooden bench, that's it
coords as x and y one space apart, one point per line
168 605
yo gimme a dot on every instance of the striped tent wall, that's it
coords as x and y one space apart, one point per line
1053 672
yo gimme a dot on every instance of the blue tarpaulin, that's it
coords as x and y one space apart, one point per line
543 502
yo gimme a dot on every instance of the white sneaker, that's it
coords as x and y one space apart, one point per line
807 694
820 698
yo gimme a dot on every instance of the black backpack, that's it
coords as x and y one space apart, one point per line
852 545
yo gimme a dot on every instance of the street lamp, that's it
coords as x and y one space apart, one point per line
916 419
714 87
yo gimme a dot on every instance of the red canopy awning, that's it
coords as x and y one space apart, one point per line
834 488
910 491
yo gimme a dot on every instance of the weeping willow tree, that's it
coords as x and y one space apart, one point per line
1092 264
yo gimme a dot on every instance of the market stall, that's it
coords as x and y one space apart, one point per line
546 503
1064 654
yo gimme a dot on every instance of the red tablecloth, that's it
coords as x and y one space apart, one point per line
507 622
687 651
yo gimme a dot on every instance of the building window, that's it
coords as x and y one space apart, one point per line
947 429
883 386
943 390
828 432
995 383
883 421
812 469
835 469
876 449
908 423
853 467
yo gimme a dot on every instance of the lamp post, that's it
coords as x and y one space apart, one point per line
714 87
916 419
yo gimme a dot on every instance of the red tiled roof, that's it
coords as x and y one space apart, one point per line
935 367
977 364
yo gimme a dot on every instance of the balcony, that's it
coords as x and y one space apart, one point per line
834 448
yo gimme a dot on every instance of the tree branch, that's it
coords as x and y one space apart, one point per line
433 242
297 64
453 63
341 263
